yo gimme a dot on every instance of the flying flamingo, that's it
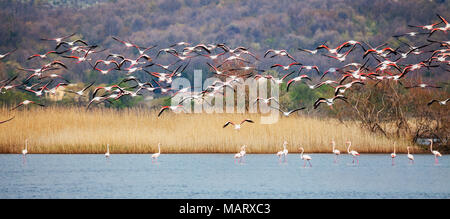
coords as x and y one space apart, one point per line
306 158
335 151
284 152
393 155
2 56
435 153
156 155
107 151
26 102
353 153
410 156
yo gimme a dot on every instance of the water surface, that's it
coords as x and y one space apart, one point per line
217 176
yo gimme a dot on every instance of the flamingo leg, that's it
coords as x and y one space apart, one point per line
304 164
310 163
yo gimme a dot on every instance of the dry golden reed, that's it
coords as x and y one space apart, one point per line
73 130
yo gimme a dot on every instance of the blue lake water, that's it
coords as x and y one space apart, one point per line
217 176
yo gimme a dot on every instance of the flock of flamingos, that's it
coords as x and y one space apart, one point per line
386 64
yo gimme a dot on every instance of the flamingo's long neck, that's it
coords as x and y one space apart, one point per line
348 149
394 148
26 145
301 155
431 146
107 148
408 150
159 149
333 145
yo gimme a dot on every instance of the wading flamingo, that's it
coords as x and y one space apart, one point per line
156 155
237 157
353 153
410 156
107 151
283 153
335 151
306 158
393 155
435 153
279 154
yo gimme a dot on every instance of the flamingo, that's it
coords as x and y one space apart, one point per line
243 152
296 79
410 156
336 152
393 155
310 67
422 86
284 152
180 44
279 53
170 108
353 153
25 151
42 56
330 101
441 102
156 155
306 158
266 101
435 153
127 44
107 151
286 68
288 113
81 92
58 40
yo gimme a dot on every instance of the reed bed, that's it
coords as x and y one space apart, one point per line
75 131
